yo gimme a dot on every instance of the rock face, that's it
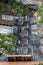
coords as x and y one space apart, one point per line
3 58
27 1
27 39
39 2
33 7
6 29
23 34
26 30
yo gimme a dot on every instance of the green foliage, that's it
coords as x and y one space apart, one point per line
8 42
41 20
40 13
11 2
15 8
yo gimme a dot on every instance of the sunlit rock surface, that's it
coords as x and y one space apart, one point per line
39 2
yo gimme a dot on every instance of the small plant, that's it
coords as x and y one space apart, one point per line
8 42
40 13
